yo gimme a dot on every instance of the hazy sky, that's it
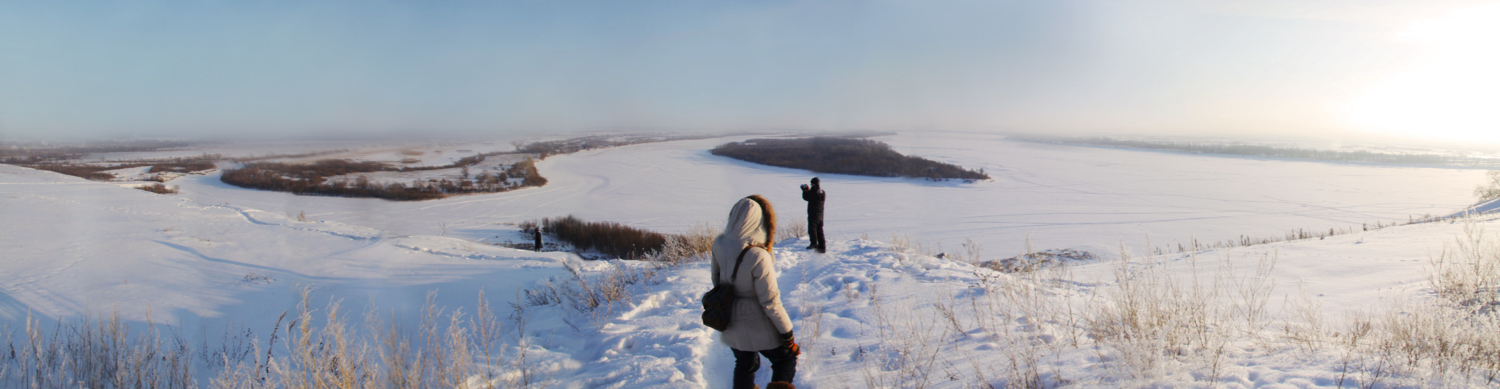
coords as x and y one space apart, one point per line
74 68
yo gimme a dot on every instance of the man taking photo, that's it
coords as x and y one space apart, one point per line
815 196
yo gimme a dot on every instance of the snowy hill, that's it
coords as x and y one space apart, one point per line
884 312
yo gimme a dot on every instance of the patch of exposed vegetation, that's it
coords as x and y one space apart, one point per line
862 157
1038 260
319 178
316 179
66 158
85 171
254 158
611 239
98 171
158 188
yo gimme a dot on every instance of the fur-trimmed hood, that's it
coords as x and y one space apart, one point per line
752 222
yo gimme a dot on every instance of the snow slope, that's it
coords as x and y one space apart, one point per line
74 247
868 312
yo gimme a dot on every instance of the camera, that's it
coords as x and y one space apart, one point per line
804 187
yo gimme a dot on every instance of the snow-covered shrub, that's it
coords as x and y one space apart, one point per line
1468 273
592 296
791 230
1445 345
690 245
1152 316
1491 188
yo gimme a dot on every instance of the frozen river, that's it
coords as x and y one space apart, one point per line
1059 196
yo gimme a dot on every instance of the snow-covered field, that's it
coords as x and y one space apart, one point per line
1061 197
870 313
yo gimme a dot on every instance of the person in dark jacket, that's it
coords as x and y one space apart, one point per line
537 233
815 196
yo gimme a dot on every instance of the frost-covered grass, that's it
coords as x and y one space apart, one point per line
1152 325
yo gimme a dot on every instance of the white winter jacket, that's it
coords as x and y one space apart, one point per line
759 318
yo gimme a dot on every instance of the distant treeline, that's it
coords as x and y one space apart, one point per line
566 146
862 157
1273 151
97 171
38 152
313 179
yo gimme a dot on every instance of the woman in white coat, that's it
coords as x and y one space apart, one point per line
759 325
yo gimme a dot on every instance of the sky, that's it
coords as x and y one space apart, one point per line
1403 68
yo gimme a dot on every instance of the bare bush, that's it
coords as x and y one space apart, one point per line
690 245
791 230
1468 272
1491 188
593 296
902 243
608 238
158 188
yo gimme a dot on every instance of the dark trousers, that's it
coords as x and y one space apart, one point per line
746 363
815 233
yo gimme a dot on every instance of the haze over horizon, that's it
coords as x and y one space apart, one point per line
1405 69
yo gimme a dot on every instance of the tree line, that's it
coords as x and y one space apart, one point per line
862 157
313 179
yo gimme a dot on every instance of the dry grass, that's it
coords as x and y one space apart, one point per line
909 345
691 245
791 230
1154 322
449 349
96 353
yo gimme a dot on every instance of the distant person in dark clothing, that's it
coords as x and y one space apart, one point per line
815 196
537 234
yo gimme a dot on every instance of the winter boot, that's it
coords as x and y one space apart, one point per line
780 385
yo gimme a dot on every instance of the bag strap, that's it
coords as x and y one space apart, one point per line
737 263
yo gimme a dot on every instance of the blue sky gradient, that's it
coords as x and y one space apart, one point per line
274 68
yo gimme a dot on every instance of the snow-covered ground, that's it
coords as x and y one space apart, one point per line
1093 199
869 313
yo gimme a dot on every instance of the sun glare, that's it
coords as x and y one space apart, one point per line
1452 93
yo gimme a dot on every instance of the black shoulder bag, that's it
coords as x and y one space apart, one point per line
718 303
